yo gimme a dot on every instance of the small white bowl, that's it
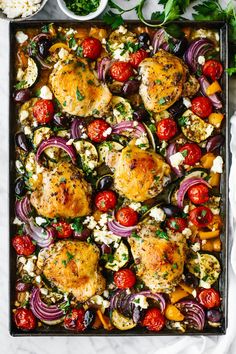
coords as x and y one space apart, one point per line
4 17
100 9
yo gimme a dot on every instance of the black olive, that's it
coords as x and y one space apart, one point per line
214 315
83 235
140 114
190 279
180 46
43 47
61 120
144 40
104 182
22 95
130 87
171 210
105 249
21 286
177 109
20 187
89 318
22 141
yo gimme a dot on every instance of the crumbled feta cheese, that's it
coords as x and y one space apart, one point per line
19 167
21 37
217 166
215 211
104 236
70 31
177 159
70 142
209 129
187 102
29 266
104 41
201 60
187 232
204 284
38 279
135 206
19 8
91 164
196 246
122 29
103 220
142 142
27 130
84 136
23 115
17 222
107 132
90 222
45 93
186 209
106 293
22 260
158 214
194 293
40 221
98 300
141 301
44 291
63 53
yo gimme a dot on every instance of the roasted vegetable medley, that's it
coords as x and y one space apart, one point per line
118 166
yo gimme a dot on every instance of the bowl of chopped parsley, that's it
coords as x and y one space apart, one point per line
82 9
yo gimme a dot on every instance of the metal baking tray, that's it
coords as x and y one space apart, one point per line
223 281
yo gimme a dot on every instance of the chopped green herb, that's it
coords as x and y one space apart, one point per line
162 234
175 266
77 225
184 153
162 101
64 103
143 209
82 7
158 82
72 42
152 127
95 112
79 96
45 29
62 180
133 234
64 262
90 82
20 84
79 51
183 121
203 213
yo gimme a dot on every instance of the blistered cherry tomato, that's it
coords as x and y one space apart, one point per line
24 319
105 200
127 216
213 69
191 152
201 216
209 298
137 57
97 129
121 71
198 194
92 48
43 111
23 245
201 106
124 278
154 320
74 320
166 129
64 229
176 224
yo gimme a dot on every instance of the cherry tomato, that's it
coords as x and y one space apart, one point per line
121 71
166 129
24 319
105 200
43 111
176 224
74 320
124 278
209 298
198 194
154 320
191 152
96 130
127 216
201 216
64 229
213 69
137 57
92 48
23 245
201 106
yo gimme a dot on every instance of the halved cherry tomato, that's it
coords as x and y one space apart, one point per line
176 224
201 106
96 130
209 298
127 216
124 278
43 111
92 48
105 200
64 229
25 319
74 320
213 69
23 245
201 216
191 152
121 71
137 57
166 129
154 320
198 194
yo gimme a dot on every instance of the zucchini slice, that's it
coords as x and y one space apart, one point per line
150 137
30 163
106 147
196 172
122 109
41 134
121 322
87 152
121 257
30 74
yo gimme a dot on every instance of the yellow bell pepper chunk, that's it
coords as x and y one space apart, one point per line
214 179
177 295
173 314
205 235
216 119
213 88
58 45
207 160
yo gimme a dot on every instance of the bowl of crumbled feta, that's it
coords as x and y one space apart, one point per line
17 10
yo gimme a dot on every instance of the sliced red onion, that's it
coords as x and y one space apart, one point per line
185 185
43 63
156 296
214 99
193 312
198 47
23 208
214 142
49 314
158 40
59 143
119 230
136 128
40 36
103 68
43 237
76 130
171 150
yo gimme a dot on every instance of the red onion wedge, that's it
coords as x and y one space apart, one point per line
59 143
214 99
119 230
214 142
76 130
23 208
103 68
155 296
198 47
135 128
194 314
43 237
185 185
159 39
49 314
171 150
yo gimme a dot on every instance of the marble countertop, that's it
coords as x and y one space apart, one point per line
69 345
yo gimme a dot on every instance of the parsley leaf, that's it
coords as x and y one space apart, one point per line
112 19
20 84
162 234
79 96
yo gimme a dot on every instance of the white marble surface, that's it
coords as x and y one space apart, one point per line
117 345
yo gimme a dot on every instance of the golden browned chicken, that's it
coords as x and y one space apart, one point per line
162 82
78 90
139 174
159 257
73 267
61 192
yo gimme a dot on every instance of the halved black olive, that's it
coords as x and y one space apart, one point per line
140 114
89 318
22 141
22 95
171 210
144 40
20 187
130 87
105 182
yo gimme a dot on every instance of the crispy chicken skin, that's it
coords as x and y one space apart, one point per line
73 267
61 192
78 90
159 262
138 173
162 82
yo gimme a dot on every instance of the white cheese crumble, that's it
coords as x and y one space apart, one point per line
177 159
187 102
90 222
27 130
70 142
29 267
107 132
142 142
135 206
204 284
186 209
98 300
122 29
209 129
20 74
23 115
187 232
40 221
215 211
158 214
45 93
217 166
19 167
19 8
44 291
38 279
63 53
201 60
196 246
141 301
21 37
17 222
107 237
